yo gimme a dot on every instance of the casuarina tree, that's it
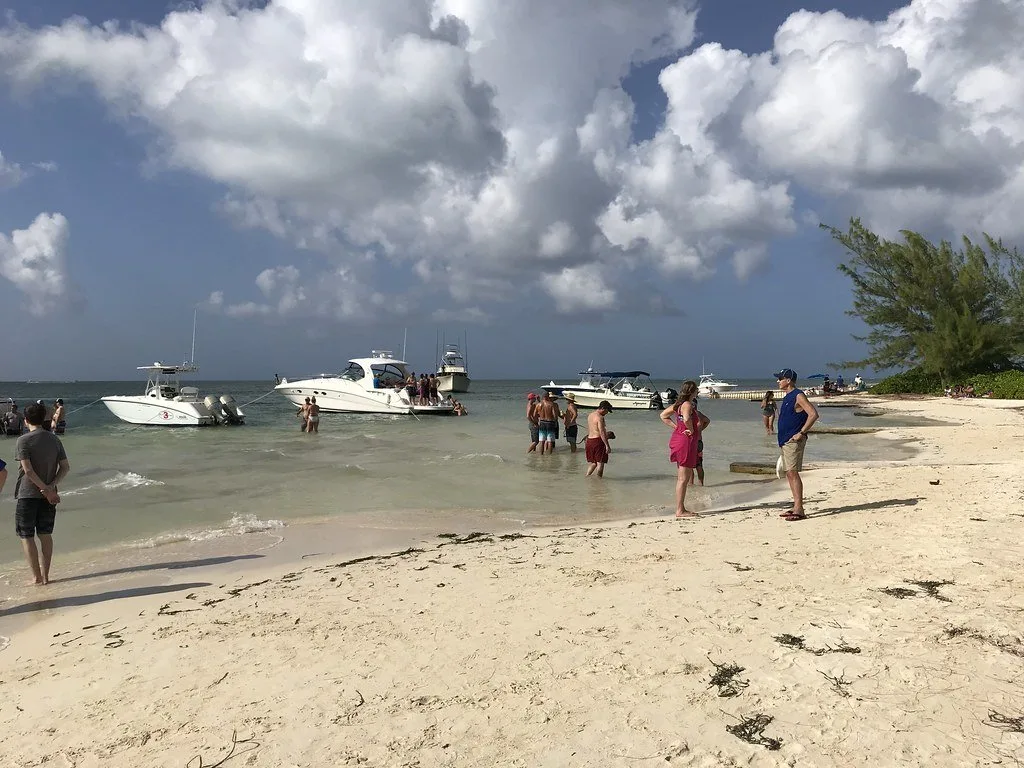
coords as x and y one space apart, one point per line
949 311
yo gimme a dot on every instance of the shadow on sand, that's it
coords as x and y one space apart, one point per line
100 597
168 566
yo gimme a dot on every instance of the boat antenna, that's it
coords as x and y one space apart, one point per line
195 316
405 338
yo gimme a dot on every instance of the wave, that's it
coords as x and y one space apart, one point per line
238 525
472 456
118 481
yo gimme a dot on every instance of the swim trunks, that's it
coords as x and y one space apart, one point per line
32 516
547 431
61 427
571 433
534 433
597 452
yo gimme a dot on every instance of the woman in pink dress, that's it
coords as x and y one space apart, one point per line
682 445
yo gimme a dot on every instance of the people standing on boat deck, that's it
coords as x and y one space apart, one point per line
424 390
796 417
43 464
569 416
14 422
547 421
412 388
57 422
433 390
683 445
598 448
531 417
304 415
313 416
768 411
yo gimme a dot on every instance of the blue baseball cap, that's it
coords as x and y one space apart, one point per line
786 373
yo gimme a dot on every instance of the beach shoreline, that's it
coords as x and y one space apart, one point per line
571 645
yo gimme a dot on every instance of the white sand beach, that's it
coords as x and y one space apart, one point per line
582 646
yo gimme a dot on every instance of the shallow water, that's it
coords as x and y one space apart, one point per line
144 487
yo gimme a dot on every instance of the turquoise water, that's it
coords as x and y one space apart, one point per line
144 486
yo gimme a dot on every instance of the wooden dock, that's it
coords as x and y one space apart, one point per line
753 395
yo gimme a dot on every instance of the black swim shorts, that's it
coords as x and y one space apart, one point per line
572 432
33 516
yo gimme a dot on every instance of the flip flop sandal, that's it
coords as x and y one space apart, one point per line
793 518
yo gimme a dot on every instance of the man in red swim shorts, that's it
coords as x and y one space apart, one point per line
598 448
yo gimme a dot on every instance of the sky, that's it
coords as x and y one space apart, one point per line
633 185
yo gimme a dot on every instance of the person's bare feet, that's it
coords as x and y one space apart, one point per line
686 514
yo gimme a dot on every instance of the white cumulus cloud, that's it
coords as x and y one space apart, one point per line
35 260
11 174
484 150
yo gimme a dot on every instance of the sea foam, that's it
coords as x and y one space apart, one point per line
117 482
238 525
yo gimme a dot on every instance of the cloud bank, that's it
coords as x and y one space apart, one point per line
486 150
35 260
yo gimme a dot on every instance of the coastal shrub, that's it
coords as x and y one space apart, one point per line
913 382
1008 385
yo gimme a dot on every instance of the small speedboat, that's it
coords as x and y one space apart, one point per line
626 390
452 375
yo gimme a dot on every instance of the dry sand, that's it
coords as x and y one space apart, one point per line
591 646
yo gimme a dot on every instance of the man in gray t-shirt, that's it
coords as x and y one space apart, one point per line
43 464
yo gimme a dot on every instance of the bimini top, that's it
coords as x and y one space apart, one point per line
615 374
169 370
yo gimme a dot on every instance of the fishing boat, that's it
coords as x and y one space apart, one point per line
166 403
452 374
626 390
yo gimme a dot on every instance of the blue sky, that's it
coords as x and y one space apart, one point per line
148 242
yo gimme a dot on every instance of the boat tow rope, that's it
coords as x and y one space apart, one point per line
268 394
85 406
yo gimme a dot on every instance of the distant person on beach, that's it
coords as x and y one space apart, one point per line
531 418
313 416
682 417
598 448
14 423
569 416
768 408
858 383
548 415
43 464
796 417
58 425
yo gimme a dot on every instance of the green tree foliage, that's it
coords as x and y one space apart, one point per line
947 312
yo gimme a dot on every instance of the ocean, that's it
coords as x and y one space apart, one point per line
140 488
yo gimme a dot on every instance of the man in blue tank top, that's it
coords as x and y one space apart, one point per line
796 416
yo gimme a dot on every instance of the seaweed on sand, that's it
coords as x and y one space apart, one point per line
751 730
797 641
838 683
1014 648
898 592
725 679
454 538
1005 722
931 588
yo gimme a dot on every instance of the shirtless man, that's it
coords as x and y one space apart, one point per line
313 416
569 419
598 447
531 418
548 415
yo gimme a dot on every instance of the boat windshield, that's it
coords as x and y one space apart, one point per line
388 374
354 372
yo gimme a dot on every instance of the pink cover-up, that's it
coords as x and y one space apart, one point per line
681 446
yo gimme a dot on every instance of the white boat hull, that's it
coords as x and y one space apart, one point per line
708 389
341 396
148 411
453 382
618 402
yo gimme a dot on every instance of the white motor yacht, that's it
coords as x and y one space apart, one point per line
374 384
709 385
627 390
452 375
165 403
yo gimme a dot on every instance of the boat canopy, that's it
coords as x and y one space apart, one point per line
615 374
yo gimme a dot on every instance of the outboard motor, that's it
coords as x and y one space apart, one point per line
656 403
671 395
213 406
232 412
